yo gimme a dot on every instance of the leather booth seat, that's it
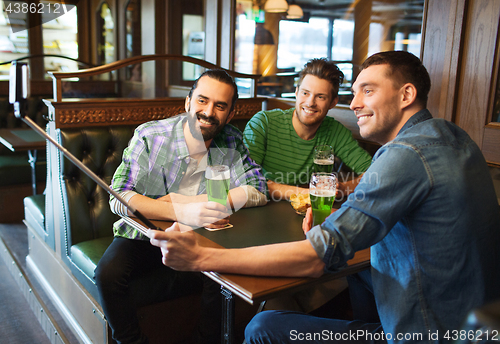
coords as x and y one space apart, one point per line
34 213
87 218
82 208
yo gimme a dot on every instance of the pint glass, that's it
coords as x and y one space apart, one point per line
218 181
323 159
322 190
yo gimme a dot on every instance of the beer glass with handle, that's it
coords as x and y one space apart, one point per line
323 159
322 190
218 181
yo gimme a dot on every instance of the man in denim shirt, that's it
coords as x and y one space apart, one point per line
426 207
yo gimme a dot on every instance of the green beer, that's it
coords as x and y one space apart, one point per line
323 159
321 204
322 190
323 165
218 181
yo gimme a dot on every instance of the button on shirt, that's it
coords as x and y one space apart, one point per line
157 159
428 207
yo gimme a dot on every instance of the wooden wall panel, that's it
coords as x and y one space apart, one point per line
491 144
442 31
478 54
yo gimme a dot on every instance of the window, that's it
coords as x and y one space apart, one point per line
133 38
13 38
193 44
60 38
245 33
105 39
133 28
301 41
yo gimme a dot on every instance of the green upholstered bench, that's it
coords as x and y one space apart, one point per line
82 208
87 254
34 214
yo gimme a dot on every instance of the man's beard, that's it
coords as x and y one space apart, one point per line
206 133
302 119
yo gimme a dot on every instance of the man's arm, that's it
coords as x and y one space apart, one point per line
278 192
199 212
192 210
348 149
255 136
182 252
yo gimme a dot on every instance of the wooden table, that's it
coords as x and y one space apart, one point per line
274 223
24 140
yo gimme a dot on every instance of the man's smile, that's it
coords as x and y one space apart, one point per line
362 118
206 121
309 111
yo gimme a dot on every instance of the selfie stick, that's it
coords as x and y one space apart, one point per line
18 93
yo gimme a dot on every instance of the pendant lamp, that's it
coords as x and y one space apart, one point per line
294 12
276 6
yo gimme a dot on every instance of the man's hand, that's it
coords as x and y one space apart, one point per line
180 251
279 192
201 214
197 212
308 221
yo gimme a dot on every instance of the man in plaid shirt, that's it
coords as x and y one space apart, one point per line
163 176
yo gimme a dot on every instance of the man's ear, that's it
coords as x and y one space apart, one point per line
186 103
230 116
409 94
334 102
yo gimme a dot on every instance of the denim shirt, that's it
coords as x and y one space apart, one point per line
428 209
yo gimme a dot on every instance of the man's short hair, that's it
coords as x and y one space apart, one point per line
404 67
323 69
222 76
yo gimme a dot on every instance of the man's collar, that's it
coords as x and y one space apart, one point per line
421 116
217 148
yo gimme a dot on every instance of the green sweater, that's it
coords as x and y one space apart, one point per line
288 159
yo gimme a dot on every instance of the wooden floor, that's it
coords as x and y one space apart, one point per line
26 314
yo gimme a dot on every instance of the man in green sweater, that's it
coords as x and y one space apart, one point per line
283 141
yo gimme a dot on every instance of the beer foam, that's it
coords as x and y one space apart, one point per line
322 193
323 161
217 172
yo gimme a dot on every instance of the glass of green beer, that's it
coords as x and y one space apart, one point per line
323 159
218 180
322 190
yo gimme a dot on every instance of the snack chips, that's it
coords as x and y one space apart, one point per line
300 203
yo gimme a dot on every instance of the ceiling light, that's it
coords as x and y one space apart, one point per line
294 12
276 6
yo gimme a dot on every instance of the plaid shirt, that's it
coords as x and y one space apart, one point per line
157 157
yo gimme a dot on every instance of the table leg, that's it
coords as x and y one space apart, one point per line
32 160
227 315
